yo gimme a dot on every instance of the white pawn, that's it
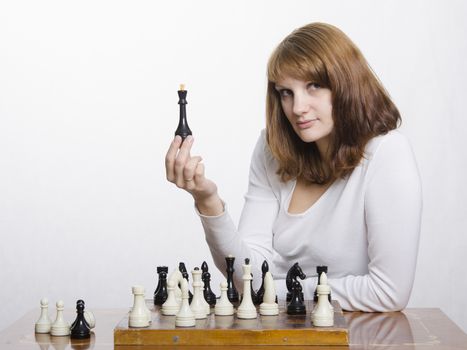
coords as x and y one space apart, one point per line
43 324
60 327
223 306
139 316
185 317
198 305
90 318
247 309
269 306
323 314
171 306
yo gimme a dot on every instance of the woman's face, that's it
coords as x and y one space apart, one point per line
308 108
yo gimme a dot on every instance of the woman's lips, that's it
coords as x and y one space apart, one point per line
306 123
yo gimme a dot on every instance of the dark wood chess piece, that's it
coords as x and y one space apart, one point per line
232 292
254 295
80 328
260 292
160 294
294 272
208 294
296 306
182 269
183 129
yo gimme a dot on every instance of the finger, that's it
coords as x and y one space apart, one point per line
181 159
189 172
190 167
199 174
170 158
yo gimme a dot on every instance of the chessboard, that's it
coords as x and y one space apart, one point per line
282 329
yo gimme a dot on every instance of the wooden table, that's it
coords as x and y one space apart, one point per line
424 329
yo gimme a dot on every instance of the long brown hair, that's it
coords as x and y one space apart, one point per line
361 107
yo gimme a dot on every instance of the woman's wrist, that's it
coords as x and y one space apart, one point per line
210 206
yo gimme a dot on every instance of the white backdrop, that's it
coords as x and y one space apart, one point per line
88 107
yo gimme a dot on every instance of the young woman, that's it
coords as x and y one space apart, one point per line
332 182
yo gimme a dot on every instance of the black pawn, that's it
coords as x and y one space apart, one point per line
260 292
160 295
232 293
80 328
296 305
182 269
319 270
209 295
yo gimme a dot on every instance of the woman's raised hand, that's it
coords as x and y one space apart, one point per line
187 172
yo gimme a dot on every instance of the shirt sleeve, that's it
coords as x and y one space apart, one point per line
393 206
253 239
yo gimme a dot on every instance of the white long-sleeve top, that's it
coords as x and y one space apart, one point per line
365 228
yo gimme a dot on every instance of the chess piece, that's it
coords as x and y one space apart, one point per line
176 276
90 319
182 269
269 307
323 314
185 317
224 307
247 309
160 294
139 317
254 296
209 296
296 305
60 327
80 328
231 290
44 323
183 129
260 292
319 270
198 305
294 272
171 306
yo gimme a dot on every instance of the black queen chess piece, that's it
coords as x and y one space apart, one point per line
183 130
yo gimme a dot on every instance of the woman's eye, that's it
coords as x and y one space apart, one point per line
313 86
285 93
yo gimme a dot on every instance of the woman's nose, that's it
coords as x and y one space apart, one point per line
301 104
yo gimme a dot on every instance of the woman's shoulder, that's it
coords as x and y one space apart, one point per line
394 143
390 155
262 150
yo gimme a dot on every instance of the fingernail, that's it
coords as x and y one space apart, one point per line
177 138
189 138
